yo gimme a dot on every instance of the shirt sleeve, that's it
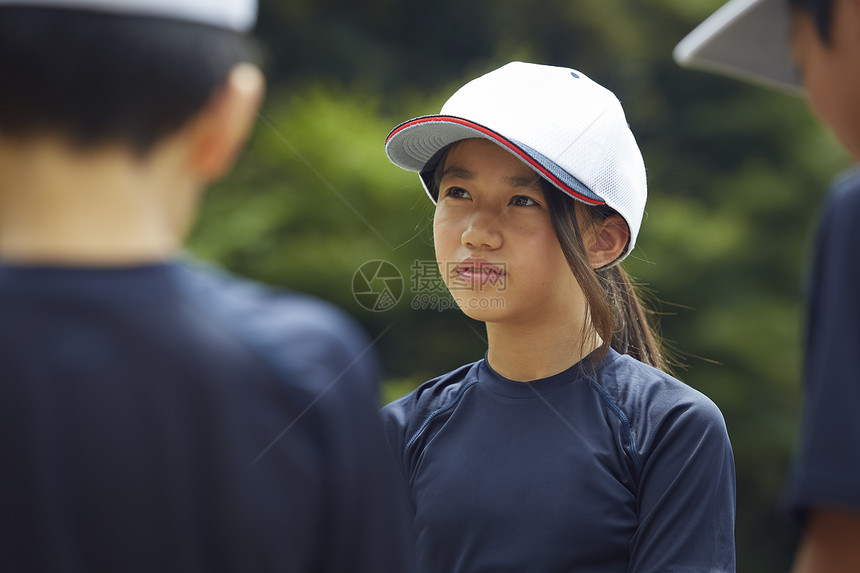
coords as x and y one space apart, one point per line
396 416
827 464
686 493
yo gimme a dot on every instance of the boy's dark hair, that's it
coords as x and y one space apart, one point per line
821 12
102 78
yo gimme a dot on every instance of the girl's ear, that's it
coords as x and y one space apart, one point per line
607 241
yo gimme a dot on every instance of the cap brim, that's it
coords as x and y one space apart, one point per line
746 39
413 145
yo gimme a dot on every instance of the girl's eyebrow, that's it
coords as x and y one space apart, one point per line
520 181
458 172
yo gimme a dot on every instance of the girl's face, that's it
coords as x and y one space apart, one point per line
495 245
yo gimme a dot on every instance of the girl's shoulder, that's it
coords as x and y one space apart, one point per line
431 397
663 421
649 397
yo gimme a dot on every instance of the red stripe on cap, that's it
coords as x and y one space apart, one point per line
499 139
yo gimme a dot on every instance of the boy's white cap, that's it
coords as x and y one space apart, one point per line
748 39
238 15
566 127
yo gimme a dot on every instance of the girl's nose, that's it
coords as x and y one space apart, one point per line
482 231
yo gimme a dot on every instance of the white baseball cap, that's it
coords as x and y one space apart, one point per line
748 39
238 15
568 128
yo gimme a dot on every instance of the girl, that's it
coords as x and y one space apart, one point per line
567 448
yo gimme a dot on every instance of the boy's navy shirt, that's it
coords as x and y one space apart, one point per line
827 465
613 466
172 418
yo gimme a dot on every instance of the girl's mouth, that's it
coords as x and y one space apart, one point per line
480 272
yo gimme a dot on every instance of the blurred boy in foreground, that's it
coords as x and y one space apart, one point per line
156 415
814 44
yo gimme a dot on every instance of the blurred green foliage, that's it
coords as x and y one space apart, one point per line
735 177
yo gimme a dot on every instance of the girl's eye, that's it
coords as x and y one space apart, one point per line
457 193
523 201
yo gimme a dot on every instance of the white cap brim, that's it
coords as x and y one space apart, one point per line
746 39
238 15
412 144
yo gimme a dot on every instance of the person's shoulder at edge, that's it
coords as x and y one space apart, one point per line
843 200
312 332
837 238
331 362
849 179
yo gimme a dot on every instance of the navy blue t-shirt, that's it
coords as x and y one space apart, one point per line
827 463
171 418
613 466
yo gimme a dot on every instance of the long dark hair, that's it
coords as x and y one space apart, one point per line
616 311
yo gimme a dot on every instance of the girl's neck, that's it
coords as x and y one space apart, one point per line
525 352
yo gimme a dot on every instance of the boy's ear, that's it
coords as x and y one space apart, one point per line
220 129
607 241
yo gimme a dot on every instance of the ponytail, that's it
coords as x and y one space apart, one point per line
632 333
615 309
